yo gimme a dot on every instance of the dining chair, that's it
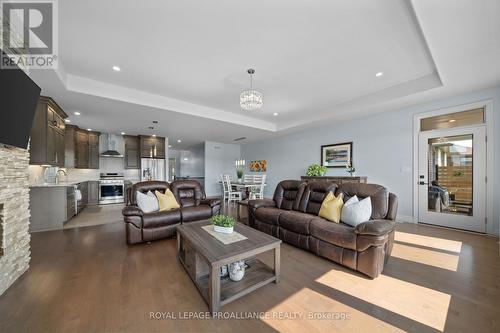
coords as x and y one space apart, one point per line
261 179
232 195
225 189
248 178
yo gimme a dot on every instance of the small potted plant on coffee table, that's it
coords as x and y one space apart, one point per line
223 223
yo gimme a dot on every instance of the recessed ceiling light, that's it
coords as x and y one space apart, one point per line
275 114
179 140
379 74
185 158
123 133
67 120
452 120
89 129
169 146
154 135
116 68
76 113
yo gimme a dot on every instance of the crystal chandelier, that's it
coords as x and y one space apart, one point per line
250 99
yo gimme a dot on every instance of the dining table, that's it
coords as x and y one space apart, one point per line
245 185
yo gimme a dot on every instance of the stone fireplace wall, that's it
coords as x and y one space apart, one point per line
14 215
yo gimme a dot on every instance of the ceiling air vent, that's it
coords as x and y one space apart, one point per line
239 139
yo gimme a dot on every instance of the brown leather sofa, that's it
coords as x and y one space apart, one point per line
145 227
292 216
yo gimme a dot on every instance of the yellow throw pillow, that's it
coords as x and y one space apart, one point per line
331 208
167 201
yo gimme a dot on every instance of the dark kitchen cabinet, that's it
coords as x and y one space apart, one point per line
59 147
81 149
132 152
47 134
93 192
93 150
50 147
152 147
70 203
83 187
69 143
86 149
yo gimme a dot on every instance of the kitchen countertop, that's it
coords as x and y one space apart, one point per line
74 182
60 184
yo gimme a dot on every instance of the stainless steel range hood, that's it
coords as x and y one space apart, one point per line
111 152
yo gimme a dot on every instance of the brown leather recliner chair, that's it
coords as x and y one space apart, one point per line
292 215
144 227
194 204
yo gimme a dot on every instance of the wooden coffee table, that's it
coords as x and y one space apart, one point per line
202 256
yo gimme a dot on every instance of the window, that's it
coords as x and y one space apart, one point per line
451 120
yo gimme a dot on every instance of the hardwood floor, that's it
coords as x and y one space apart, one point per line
88 280
95 215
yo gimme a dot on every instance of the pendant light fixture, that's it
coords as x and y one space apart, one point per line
251 99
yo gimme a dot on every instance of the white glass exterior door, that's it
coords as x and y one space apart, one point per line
452 178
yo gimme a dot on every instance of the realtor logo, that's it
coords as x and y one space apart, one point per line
29 34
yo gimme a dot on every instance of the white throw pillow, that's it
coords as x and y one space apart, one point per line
355 212
148 203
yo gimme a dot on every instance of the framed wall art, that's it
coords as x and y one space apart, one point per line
258 166
336 155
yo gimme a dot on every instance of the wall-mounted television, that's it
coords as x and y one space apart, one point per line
18 100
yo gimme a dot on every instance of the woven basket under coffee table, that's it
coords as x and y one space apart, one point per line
202 256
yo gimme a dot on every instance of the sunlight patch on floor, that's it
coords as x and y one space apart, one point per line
309 302
434 242
426 257
423 305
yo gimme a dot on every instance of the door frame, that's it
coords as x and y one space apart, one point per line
488 109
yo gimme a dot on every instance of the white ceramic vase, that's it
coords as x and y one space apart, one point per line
237 270
223 230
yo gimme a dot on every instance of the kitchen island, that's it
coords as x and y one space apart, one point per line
54 204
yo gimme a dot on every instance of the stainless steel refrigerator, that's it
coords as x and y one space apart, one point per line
153 169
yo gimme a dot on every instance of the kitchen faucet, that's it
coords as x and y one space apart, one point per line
57 174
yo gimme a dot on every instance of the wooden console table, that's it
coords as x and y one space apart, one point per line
336 180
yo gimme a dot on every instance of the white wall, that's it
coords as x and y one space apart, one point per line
219 159
189 162
194 166
382 150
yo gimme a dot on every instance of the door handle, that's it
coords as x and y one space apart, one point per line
423 183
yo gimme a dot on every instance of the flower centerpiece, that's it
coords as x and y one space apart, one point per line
223 223
350 169
239 174
240 165
316 170
253 191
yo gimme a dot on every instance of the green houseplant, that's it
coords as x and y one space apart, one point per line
316 170
223 223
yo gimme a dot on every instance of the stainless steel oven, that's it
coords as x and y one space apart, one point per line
111 188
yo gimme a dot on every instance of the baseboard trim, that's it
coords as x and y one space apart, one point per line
405 219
